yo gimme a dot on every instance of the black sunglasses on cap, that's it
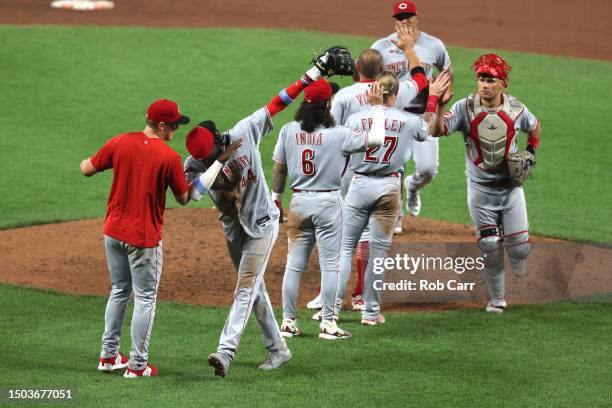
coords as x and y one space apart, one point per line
172 126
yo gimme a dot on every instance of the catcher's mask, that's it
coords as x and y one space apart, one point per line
492 65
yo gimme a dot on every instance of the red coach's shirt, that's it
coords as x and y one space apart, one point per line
143 168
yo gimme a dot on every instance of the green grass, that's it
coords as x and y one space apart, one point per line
539 355
66 90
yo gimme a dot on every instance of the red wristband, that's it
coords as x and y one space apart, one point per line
533 141
432 104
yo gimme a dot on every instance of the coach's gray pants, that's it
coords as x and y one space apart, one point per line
375 200
315 217
138 270
250 257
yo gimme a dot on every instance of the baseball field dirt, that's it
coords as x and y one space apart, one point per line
69 257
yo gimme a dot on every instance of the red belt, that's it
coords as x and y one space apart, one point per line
394 174
297 190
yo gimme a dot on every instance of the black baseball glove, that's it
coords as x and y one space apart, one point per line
335 60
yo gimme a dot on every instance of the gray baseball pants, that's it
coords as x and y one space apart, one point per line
250 257
499 216
137 270
373 200
315 217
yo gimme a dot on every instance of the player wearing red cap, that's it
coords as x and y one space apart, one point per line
144 166
250 220
432 54
312 150
491 121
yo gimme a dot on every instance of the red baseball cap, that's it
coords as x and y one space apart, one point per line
167 111
200 142
404 7
320 91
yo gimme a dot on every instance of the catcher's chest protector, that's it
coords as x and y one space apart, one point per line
491 133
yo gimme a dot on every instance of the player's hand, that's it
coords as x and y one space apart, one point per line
405 36
375 94
440 84
279 205
235 145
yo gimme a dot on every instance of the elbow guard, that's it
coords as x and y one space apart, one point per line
377 133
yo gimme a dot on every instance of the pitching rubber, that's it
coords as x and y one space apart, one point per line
83 5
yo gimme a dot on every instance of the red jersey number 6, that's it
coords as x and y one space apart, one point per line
308 167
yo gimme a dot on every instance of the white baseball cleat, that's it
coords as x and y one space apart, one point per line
317 316
289 328
113 363
276 359
316 303
380 319
357 303
330 331
414 203
496 307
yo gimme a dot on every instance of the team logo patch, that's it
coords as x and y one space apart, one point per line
403 6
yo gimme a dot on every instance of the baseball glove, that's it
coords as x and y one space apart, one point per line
520 166
335 60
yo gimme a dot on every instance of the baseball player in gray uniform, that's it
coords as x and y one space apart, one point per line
374 194
250 221
432 53
312 150
491 121
353 99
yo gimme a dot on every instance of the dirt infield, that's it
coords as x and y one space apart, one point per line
69 257
557 27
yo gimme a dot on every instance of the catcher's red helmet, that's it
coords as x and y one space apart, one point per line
492 64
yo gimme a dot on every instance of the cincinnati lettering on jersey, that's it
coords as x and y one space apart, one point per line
395 67
236 165
303 138
392 125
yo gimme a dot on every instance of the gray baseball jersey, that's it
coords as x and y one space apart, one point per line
352 99
430 50
400 129
244 167
250 223
489 136
315 161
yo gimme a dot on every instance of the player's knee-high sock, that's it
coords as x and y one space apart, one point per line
495 280
363 249
291 286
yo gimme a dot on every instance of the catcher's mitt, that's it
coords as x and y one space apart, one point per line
520 166
336 60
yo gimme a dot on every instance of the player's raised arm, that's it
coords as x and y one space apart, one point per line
334 61
434 115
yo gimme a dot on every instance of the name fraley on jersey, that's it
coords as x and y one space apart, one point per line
392 125
235 167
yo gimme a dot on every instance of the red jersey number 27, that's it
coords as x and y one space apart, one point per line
390 144
308 167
